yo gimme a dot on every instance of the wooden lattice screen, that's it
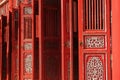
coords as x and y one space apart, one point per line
94 14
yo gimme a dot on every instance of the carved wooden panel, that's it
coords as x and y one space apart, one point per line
27 10
94 67
94 41
27 46
28 63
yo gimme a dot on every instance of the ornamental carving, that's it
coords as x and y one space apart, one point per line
94 41
28 10
94 69
28 46
28 63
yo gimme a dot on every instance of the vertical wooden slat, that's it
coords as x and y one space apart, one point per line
92 11
57 22
71 39
48 24
54 15
85 16
100 14
44 10
103 14
45 22
41 34
53 30
30 28
95 13
55 26
89 11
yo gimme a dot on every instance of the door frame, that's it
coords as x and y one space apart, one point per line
66 40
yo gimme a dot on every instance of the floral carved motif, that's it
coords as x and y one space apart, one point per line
94 69
28 10
94 41
28 46
28 63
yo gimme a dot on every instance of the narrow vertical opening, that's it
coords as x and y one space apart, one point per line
75 39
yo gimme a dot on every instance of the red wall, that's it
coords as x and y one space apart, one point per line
116 39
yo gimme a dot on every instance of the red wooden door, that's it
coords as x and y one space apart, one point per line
26 42
66 39
94 39
50 44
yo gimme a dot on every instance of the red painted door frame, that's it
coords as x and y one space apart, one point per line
86 54
66 40
40 39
